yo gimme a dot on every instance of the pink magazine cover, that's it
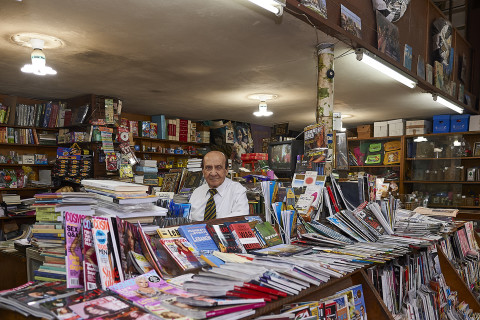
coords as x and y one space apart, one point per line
90 267
74 256
104 251
99 308
147 289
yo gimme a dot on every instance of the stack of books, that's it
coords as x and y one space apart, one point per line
149 170
125 200
194 164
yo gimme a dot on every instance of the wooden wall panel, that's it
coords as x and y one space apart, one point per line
462 47
413 31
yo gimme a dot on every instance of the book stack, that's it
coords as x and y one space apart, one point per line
203 134
148 168
49 139
125 200
194 164
48 237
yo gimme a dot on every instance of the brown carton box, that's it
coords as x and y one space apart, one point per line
365 131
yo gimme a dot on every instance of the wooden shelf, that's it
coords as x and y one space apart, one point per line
169 154
456 158
25 189
8 165
27 127
28 145
452 207
171 141
374 166
443 134
452 182
374 138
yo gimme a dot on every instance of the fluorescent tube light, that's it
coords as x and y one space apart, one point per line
447 103
274 6
384 67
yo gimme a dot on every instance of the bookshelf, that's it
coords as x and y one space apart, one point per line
436 173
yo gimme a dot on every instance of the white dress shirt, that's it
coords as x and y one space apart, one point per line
230 201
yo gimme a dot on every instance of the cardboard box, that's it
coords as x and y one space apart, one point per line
396 127
28 159
365 131
416 131
380 129
415 127
474 124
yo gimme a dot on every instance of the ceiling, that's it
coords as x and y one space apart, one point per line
200 62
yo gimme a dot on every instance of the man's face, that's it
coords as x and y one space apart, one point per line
214 170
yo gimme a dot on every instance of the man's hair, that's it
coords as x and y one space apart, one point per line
226 160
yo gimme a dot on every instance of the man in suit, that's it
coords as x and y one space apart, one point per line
220 197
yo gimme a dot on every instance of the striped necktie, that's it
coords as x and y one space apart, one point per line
210 209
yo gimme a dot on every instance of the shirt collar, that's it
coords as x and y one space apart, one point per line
222 188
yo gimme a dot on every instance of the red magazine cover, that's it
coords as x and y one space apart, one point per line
246 236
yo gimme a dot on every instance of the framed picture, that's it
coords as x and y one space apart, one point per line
476 149
280 129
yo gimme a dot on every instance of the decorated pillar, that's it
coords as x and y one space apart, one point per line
324 114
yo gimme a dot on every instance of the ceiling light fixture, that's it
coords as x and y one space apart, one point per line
262 110
447 103
274 6
262 106
38 65
386 68
345 116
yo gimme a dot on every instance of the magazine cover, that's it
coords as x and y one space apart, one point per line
33 295
223 238
60 309
199 237
104 251
147 290
281 250
140 262
90 267
118 271
73 243
319 6
182 252
315 146
102 308
129 241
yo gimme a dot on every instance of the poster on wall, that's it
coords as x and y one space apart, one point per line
319 6
392 10
243 142
442 41
351 22
387 37
229 136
